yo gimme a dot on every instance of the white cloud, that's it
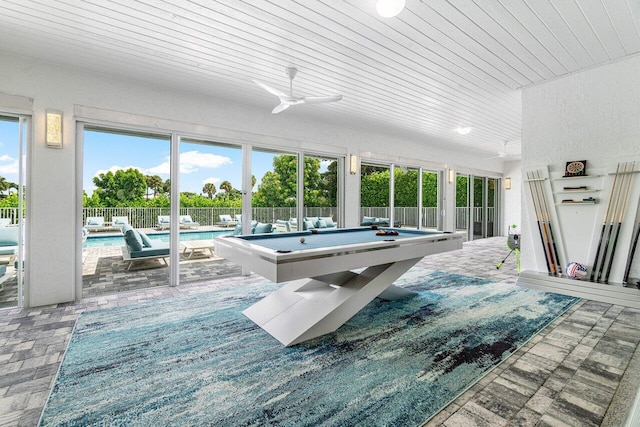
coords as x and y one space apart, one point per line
161 169
5 158
11 168
191 162
203 160
212 179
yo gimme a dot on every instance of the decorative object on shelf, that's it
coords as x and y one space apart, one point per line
576 270
578 188
576 168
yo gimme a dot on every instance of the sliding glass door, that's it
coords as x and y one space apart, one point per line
210 206
126 187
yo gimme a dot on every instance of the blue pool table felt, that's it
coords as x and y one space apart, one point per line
339 237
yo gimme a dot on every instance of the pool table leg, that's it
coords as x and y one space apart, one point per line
308 308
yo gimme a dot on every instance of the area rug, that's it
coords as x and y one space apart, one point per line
196 360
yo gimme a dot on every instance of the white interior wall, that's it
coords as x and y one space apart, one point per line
512 197
594 116
52 196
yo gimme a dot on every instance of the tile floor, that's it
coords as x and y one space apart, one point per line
581 370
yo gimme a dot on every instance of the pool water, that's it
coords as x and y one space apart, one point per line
101 241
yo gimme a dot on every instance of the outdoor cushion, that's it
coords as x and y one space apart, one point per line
95 221
8 236
262 227
308 224
225 218
8 250
146 242
133 239
368 220
322 223
160 248
328 221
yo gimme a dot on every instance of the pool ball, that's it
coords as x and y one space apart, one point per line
302 240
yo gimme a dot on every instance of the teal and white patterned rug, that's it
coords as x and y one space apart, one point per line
196 360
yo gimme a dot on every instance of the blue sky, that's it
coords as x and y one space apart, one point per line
9 155
199 163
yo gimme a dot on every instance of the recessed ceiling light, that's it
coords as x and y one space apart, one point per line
389 8
463 130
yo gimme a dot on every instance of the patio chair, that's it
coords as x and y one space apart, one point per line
187 222
226 221
8 244
139 247
95 223
164 222
119 221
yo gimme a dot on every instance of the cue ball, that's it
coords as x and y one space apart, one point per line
302 240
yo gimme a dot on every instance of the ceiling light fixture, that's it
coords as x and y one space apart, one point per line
463 130
389 8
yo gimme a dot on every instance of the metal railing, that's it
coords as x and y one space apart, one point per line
148 217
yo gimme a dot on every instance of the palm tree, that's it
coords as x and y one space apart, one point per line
209 189
226 186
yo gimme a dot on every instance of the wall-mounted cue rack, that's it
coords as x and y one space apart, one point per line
591 219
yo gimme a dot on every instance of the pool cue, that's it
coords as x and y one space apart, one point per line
545 233
604 226
546 224
552 238
610 223
621 218
535 208
632 253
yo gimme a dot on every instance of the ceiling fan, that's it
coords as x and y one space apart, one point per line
503 154
287 101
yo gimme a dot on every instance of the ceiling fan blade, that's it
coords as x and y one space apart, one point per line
281 107
321 99
271 90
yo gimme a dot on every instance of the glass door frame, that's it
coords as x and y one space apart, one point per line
24 148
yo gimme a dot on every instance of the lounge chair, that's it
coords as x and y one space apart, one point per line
119 221
187 222
282 226
164 221
226 221
380 222
9 243
256 228
139 247
5 222
318 222
95 223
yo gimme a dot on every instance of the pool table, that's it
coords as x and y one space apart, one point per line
331 274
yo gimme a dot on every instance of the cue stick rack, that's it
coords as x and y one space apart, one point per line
576 208
578 213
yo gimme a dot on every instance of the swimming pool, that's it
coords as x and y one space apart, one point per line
102 241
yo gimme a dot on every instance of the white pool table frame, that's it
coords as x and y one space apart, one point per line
323 292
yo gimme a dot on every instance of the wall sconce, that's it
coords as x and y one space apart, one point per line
353 164
507 183
53 135
452 176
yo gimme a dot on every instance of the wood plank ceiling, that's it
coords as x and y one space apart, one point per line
438 65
